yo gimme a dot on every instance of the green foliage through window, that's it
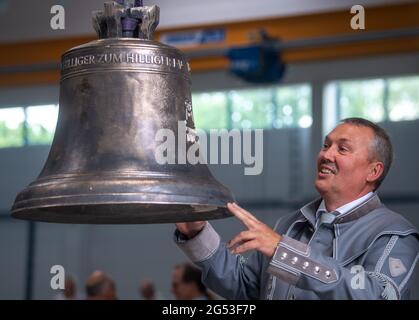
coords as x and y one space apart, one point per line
391 99
12 127
41 121
271 107
210 110
30 125
403 98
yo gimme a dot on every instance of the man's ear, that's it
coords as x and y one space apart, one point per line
376 169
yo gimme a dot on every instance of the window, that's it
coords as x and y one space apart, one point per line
251 109
403 98
41 121
362 99
11 127
27 125
270 107
210 110
386 99
294 107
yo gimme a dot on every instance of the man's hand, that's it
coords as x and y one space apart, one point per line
258 236
190 229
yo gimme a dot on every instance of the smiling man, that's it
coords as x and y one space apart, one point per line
344 245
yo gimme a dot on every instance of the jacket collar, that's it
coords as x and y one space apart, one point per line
309 210
361 210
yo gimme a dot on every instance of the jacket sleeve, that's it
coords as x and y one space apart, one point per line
231 276
385 271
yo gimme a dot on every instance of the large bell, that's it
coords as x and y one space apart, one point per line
115 94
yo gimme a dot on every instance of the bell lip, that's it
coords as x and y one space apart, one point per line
219 199
37 214
26 211
15 207
84 190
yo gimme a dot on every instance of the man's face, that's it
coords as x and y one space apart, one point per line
110 292
180 289
343 163
70 288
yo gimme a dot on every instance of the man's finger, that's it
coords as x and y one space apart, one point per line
247 246
245 212
242 236
247 221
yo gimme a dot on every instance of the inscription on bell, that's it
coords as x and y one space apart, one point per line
119 58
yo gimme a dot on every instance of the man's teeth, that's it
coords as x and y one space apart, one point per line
326 171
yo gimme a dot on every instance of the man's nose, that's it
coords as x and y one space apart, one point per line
328 154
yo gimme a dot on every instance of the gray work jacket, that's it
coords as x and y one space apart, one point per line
368 253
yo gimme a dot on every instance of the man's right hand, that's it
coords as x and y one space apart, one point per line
190 229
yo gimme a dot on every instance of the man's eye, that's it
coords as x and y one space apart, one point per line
343 149
325 146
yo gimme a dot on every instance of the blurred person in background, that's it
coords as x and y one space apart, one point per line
100 286
147 291
187 284
70 290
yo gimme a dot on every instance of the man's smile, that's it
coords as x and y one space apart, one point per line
325 170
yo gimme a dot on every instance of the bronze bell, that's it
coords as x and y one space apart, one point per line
115 94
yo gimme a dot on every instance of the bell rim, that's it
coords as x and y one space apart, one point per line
150 202
51 216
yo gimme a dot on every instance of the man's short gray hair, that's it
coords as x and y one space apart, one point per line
381 148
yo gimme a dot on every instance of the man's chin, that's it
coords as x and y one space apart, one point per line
321 186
